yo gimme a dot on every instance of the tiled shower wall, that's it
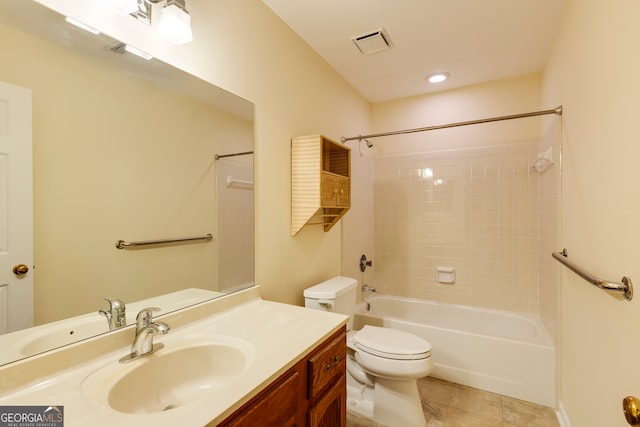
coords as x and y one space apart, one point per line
475 210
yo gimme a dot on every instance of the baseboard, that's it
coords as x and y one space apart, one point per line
563 418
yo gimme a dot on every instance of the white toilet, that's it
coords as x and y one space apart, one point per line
383 364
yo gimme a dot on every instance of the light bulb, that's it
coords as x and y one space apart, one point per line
175 25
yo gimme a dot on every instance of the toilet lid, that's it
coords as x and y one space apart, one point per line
391 343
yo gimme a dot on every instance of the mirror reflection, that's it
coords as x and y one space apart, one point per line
123 149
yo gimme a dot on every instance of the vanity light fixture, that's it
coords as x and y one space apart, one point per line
174 22
125 7
438 77
134 50
82 25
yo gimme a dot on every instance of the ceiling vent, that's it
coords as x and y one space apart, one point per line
373 42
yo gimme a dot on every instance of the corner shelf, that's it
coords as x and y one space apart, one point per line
320 182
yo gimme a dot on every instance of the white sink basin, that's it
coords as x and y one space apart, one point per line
182 372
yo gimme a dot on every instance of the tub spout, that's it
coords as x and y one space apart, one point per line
367 288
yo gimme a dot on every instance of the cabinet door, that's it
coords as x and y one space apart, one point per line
328 189
276 408
331 409
343 192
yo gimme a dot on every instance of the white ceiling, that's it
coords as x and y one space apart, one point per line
474 40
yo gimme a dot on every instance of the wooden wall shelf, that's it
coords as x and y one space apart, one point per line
320 182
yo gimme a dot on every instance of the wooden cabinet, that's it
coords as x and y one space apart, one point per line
335 191
312 393
320 182
277 407
331 408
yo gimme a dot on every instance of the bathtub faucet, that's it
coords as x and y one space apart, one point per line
367 288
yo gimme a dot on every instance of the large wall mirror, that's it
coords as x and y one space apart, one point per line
123 149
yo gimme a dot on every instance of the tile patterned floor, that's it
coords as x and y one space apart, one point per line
447 404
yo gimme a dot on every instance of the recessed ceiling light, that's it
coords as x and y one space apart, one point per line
437 77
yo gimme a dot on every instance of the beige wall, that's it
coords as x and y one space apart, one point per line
243 47
593 72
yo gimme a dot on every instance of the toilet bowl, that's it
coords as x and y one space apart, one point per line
390 353
383 364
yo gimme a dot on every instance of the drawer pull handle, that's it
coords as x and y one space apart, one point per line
336 361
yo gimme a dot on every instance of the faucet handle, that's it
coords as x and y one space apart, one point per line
145 317
115 305
116 313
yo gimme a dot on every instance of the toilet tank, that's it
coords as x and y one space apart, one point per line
337 294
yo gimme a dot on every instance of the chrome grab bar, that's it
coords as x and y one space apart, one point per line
121 244
625 286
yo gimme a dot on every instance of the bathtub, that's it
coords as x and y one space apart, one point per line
492 350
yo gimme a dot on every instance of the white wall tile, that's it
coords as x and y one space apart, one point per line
476 210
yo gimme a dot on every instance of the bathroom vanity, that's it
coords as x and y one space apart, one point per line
228 362
314 389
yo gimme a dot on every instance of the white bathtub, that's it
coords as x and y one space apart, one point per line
492 350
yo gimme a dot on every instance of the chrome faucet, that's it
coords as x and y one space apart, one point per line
116 316
367 288
145 328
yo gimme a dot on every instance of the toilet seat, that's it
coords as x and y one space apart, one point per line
391 343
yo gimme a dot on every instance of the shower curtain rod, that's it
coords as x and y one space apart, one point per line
221 156
557 110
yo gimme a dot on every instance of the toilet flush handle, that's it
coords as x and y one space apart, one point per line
326 304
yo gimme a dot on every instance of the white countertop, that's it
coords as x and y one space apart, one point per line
279 335
34 340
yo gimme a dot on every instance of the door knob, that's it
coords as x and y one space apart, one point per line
631 407
20 269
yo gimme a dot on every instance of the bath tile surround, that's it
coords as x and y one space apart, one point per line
476 210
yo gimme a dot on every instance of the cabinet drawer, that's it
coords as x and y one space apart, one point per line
326 366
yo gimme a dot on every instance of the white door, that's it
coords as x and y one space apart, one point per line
16 205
